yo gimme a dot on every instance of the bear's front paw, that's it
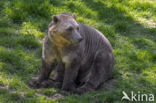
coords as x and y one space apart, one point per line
68 88
83 90
50 84
34 82
65 93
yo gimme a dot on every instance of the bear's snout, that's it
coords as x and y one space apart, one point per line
80 39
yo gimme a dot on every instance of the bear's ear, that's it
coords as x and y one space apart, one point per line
55 19
74 16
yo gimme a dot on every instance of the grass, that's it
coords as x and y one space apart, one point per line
130 26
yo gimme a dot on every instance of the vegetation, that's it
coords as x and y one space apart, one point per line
130 26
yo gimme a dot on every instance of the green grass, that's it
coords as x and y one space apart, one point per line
130 26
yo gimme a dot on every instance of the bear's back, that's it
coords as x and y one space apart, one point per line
93 40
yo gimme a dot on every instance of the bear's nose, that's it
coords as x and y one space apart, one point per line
80 39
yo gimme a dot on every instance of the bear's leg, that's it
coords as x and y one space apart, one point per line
57 79
59 72
70 75
101 70
44 74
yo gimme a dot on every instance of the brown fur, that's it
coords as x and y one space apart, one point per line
80 65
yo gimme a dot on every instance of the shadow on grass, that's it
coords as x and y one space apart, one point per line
124 25
115 16
11 97
19 57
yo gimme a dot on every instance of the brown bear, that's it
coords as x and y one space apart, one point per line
80 56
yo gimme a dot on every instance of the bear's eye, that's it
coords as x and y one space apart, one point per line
70 28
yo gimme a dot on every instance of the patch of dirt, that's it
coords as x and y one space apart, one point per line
108 85
56 96
22 94
2 86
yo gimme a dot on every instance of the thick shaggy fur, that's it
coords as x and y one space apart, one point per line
80 65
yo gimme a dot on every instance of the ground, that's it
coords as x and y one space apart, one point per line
130 26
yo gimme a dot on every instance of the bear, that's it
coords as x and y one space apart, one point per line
80 56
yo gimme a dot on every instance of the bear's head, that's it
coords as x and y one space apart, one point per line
64 30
